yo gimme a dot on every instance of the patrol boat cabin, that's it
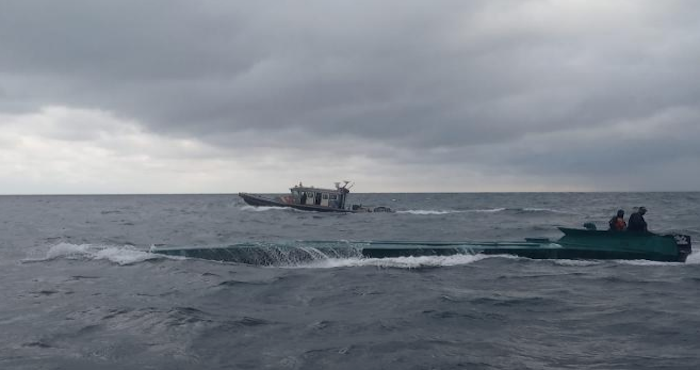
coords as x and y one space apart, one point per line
310 196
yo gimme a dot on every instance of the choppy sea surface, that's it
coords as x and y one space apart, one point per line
80 289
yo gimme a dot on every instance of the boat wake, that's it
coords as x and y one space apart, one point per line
693 259
263 208
538 210
427 212
432 212
488 210
444 212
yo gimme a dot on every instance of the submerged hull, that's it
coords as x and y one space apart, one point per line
576 244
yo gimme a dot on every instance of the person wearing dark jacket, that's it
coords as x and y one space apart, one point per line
636 221
617 223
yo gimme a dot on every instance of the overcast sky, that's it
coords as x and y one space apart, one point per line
136 96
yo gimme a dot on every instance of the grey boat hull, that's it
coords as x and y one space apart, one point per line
261 201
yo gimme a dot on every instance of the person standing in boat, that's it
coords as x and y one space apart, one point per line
617 223
637 222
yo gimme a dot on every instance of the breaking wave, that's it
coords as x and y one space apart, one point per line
122 255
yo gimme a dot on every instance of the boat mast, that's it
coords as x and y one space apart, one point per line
343 191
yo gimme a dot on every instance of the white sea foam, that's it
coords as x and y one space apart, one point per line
489 210
401 262
122 255
261 209
693 259
444 212
543 210
648 263
582 263
427 212
530 209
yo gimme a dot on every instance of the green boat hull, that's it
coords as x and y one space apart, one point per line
575 244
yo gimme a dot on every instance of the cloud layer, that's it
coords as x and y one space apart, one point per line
399 95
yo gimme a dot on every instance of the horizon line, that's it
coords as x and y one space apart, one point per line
370 192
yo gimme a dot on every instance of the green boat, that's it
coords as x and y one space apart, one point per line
575 244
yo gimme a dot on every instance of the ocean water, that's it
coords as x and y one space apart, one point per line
80 289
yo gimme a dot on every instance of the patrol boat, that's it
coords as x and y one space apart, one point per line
309 198
575 244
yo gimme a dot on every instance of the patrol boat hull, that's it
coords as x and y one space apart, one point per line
261 201
575 244
288 202
309 198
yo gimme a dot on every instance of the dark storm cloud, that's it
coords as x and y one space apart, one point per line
412 75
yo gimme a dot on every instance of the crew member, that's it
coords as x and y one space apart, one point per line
636 221
617 223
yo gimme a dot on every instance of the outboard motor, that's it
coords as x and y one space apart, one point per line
684 246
